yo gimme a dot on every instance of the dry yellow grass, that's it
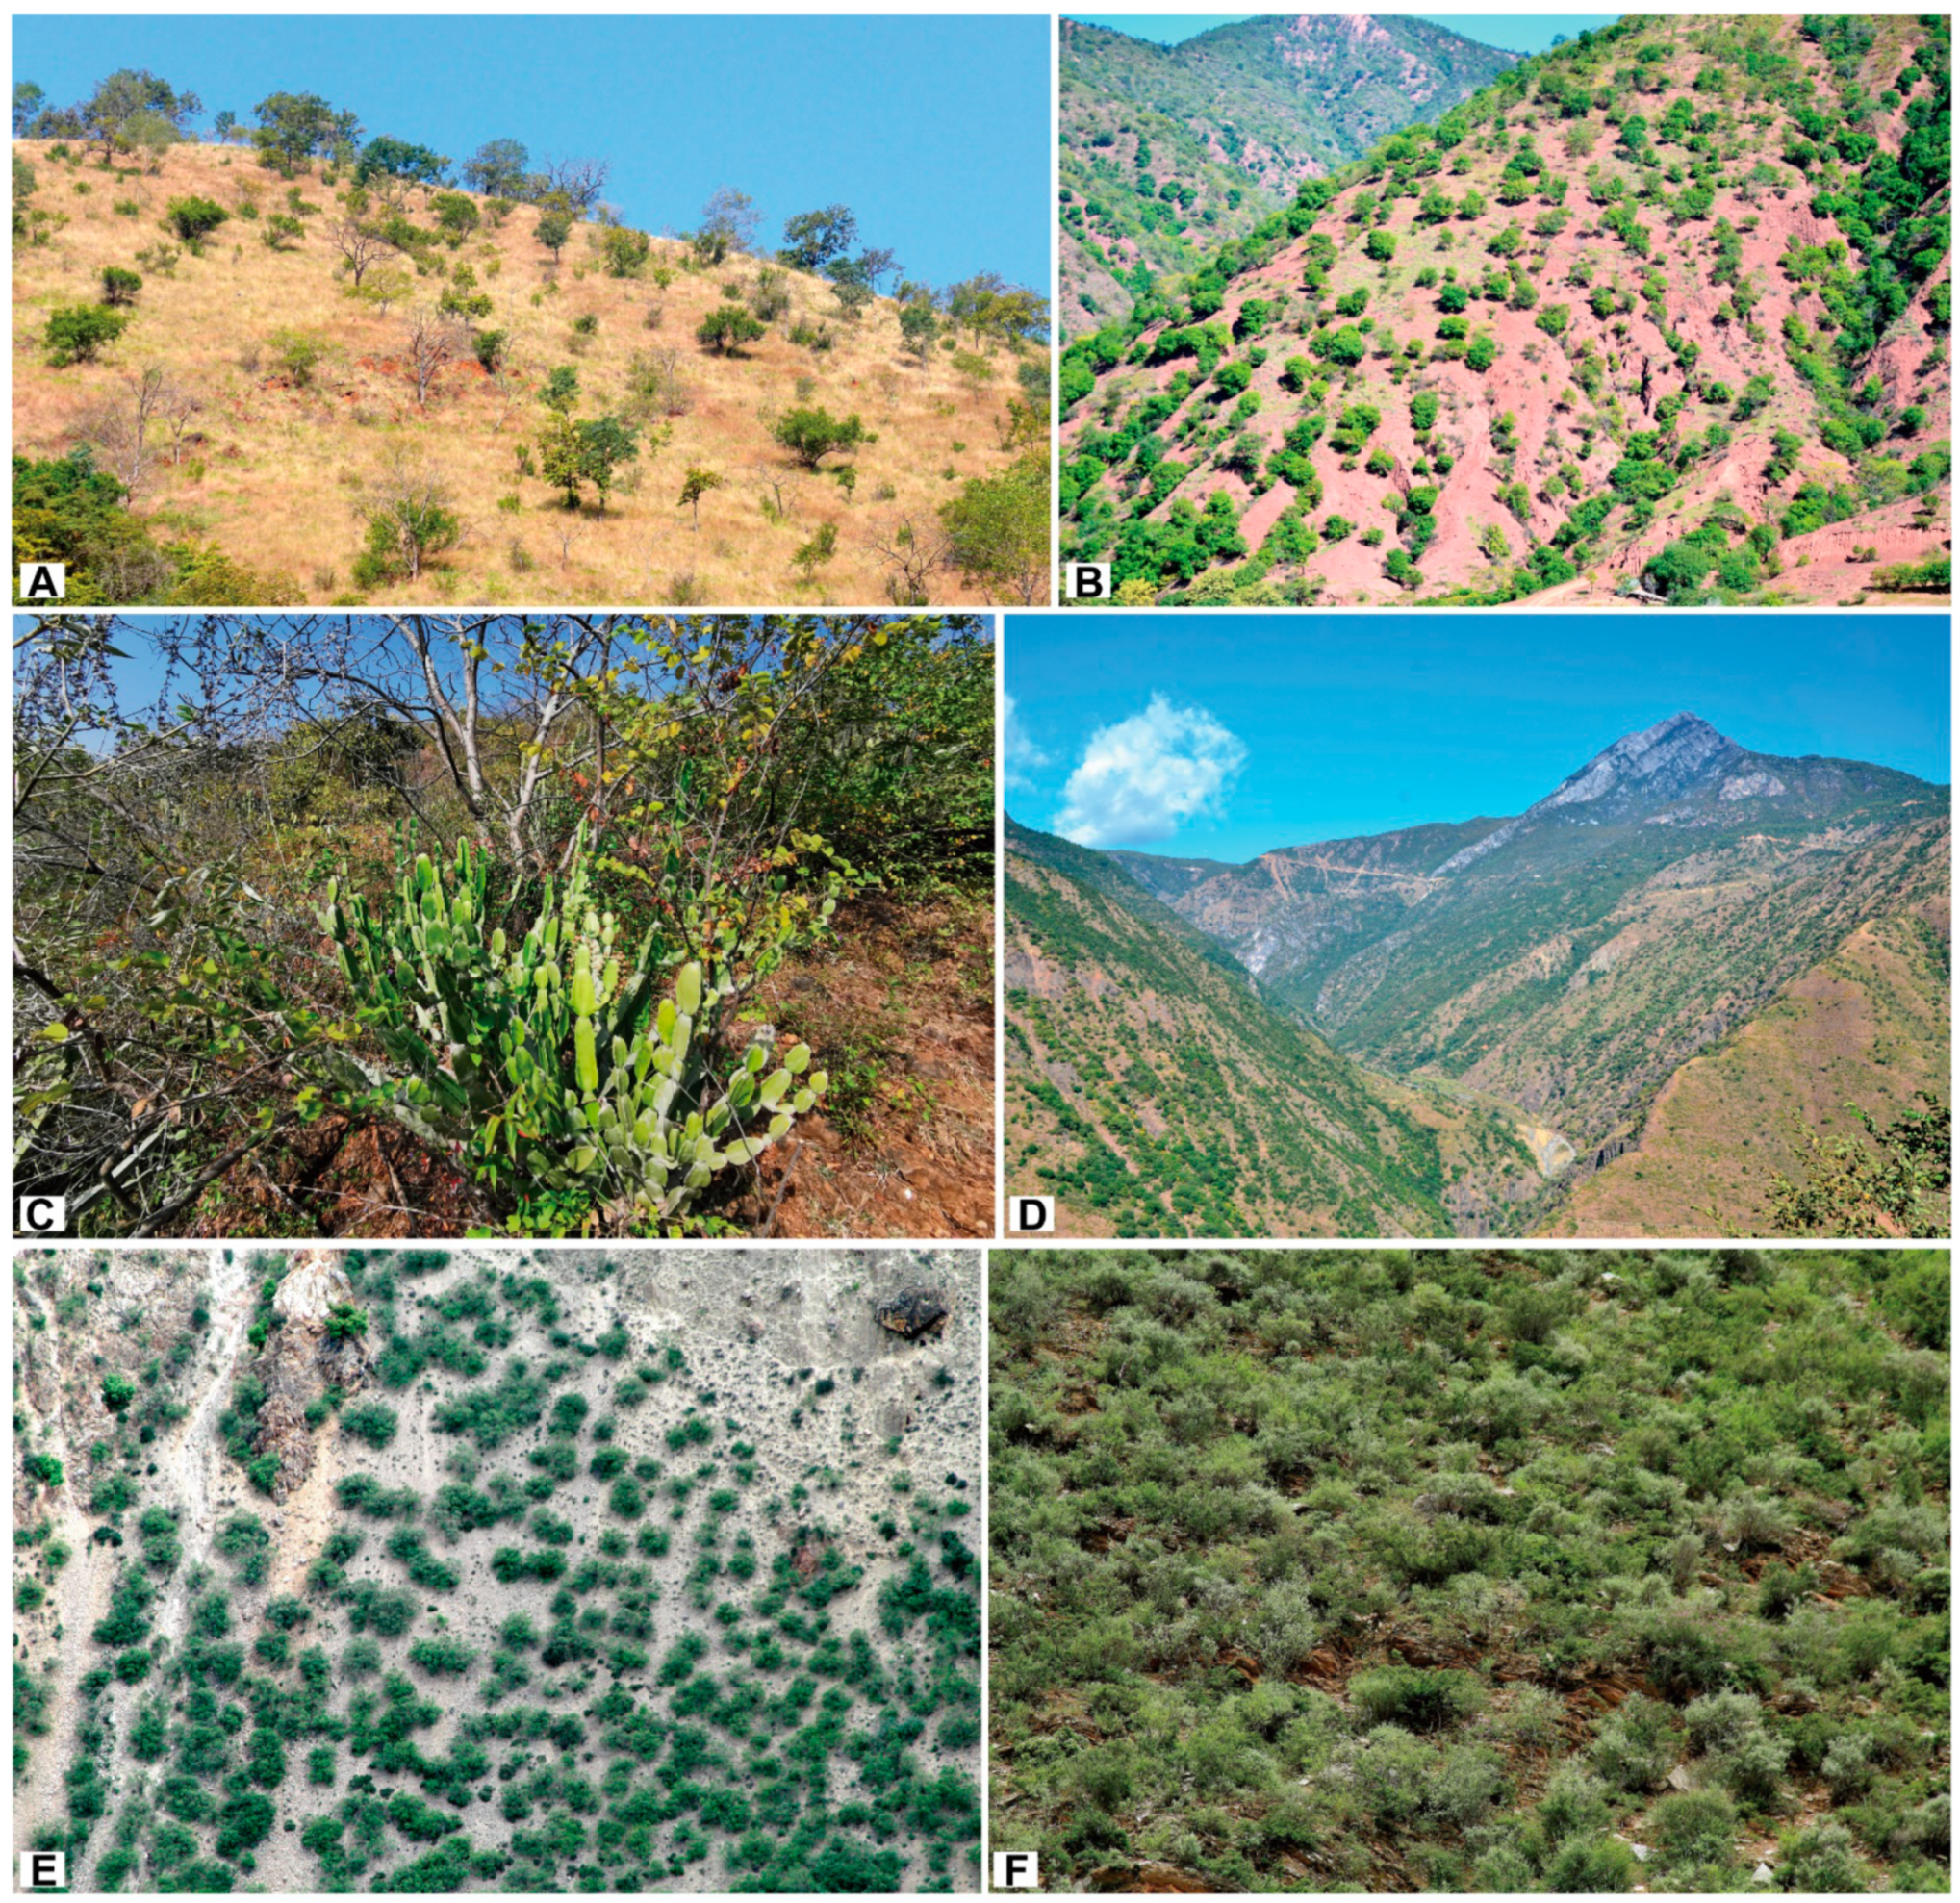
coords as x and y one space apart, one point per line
273 469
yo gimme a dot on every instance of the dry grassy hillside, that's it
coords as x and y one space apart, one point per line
305 397
1664 312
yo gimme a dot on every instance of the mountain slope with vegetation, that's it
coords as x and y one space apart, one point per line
230 366
1166 151
1155 1091
1472 1571
1663 314
411 1572
1569 961
1866 1033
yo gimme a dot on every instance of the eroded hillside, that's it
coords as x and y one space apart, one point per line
295 390
423 1571
1663 314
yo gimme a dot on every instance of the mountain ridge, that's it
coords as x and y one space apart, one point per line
1230 111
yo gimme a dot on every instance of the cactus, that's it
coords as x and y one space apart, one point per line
554 1064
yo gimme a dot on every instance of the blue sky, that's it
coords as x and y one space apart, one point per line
1513 32
935 130
1224 736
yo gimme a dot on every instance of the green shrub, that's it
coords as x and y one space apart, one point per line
193 220
1416 1700
371 1422
75 332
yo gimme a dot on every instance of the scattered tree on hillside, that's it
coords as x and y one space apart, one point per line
75 333
124 434
813 239
579 182
732 216
911 552
125 96
431 339
696 484
810 434
193 220
573 453
989 308
397 158
726 327
918 329
498 169
29 100
361 246
876 262
410 518
294 127
851 285
555 231
996 529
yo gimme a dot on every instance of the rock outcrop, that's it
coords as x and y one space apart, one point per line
318 1345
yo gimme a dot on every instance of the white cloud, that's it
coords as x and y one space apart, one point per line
1145 777
1019 754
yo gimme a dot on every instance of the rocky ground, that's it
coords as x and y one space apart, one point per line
776 1423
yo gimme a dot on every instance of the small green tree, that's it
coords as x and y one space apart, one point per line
625 250
817 550
726 327
410 518
813 239
918 329
554 232
294 126
571 453
76 332
810 434
119 287
696 484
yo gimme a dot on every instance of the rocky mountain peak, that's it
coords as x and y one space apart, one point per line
1676 756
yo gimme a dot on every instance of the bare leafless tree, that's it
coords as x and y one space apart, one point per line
579 182
431 340
912 551
360 245
735 216
878 263
181 407
123 431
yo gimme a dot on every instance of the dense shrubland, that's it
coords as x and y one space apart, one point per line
508 890
1472 1570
